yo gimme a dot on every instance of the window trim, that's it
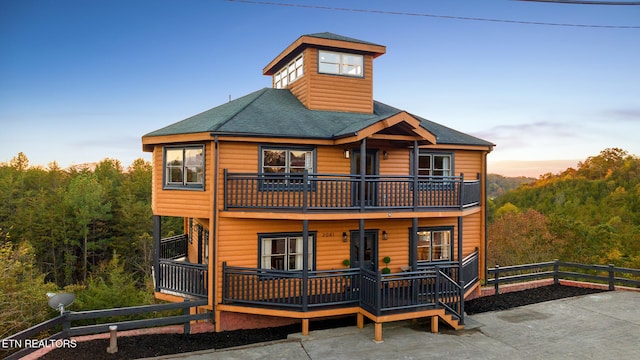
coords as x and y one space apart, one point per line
424 186
265 185
288 235
285 74
340 63
185 185
432 229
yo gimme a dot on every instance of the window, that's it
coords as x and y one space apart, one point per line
286 161
284 252
289 73
430 164
184 167
340 63
434 244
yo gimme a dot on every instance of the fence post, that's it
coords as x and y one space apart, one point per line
187 324
66 325
496 277
556 279
612 278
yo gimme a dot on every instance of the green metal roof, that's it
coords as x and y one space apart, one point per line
278 113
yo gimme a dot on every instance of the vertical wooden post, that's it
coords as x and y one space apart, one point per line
363 173
434 324
360 321
305 327
187 324
416 176
496 288
378 332
305 265
157 234
612 279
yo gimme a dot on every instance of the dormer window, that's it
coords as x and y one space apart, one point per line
340 63
289 73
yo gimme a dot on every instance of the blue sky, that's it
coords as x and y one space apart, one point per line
81 81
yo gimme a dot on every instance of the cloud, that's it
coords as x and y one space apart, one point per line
622 115
530 134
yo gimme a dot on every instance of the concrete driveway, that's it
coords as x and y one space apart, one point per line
599 326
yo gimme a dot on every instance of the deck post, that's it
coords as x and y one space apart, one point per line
305 327
157 234
556 276
378 332
434 324
416 159
461 192
360 321
461 279
363 174
305 267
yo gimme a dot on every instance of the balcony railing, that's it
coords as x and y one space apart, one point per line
373 291
183 278
302 192
174 247
175 275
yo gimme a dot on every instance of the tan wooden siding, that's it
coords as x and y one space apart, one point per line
188 203
397 162
468 163
472 232
340 93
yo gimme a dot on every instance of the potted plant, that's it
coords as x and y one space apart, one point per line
386 260
346 263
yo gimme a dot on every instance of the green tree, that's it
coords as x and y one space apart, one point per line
85 198
23 290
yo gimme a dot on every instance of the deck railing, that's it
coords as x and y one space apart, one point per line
375 292
183 278
287 290
303 192
174 247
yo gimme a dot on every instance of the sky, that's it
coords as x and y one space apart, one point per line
550 84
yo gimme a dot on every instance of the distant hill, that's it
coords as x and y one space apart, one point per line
498 185
590 214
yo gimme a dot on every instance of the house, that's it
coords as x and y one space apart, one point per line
311 200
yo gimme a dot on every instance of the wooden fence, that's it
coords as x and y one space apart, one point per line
68 317
604 274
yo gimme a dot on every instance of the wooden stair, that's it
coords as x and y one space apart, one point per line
449 320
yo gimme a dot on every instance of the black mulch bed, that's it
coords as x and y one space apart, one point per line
135 347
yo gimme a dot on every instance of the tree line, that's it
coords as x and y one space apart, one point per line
86 230
590 214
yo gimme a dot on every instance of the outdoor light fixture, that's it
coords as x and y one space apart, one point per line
344 237
385 236
346 153
385 155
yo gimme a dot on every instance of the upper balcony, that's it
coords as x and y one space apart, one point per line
308 192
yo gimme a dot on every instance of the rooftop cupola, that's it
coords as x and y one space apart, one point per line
326 71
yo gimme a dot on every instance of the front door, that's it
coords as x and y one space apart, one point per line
370 249
371 168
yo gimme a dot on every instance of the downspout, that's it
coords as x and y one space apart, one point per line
486 217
